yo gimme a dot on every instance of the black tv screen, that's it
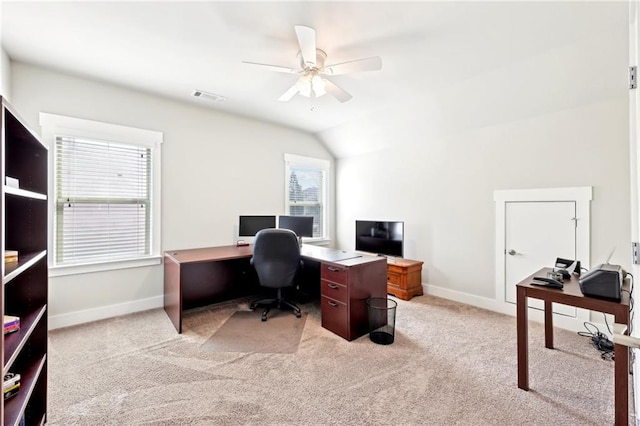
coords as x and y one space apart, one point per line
250 225
301 225
380 237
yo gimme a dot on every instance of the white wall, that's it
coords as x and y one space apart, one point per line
215 166
5 70
558 119
5 75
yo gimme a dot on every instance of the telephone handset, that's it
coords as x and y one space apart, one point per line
567 267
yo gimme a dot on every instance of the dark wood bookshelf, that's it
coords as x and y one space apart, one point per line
24 157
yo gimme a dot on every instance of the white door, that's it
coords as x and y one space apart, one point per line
536 233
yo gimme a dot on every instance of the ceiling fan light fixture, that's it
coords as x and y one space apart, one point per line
318 85
315 77
304 86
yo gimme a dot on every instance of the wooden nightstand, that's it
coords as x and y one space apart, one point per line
404 278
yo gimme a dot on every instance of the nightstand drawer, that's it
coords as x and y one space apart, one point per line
395 269
333 290
334 273
393 278
334 316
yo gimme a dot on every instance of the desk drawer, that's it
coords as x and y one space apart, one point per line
334 273
333 290
334 316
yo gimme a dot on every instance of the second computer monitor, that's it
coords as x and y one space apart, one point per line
301 225
250 225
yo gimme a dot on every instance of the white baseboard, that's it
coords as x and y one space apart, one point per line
561 321
103 312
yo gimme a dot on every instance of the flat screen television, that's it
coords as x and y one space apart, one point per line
380 237
301 225
250 225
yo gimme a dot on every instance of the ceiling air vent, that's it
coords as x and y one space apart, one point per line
209 96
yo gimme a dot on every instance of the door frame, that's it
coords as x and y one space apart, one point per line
634 155
581 196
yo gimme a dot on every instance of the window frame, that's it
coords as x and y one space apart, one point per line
57 125
298 161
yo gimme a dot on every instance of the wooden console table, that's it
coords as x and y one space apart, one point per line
404 278
199 277
572 296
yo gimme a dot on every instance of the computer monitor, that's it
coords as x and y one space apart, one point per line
301 225
250 225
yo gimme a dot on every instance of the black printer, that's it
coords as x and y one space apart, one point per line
603 281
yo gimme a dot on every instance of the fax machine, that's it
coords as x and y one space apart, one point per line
603 281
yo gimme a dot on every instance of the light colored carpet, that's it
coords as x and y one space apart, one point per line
450 364
244 331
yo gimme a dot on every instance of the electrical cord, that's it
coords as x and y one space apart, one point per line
599 340
631 314
631 301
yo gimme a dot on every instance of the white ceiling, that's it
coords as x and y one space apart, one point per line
172 48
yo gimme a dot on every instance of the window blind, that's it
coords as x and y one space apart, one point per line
306 195
103 201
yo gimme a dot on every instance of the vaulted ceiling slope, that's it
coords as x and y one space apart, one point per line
173 48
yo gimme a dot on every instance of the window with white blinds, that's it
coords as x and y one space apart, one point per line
103 201
306 191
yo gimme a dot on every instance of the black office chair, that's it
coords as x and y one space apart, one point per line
276 258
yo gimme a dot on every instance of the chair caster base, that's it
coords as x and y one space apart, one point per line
278 303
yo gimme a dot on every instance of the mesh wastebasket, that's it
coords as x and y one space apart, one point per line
382 319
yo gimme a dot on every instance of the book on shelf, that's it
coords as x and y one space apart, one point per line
11 385
10 256
11 323
12 182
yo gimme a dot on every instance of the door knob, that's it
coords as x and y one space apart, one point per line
512 252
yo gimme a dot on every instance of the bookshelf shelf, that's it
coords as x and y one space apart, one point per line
15 407
24 157
25 261
24 193
15 342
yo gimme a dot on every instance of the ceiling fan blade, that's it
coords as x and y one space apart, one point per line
273 67
307 42
336 91
373 63
286 96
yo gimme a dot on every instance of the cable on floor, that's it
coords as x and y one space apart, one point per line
599 340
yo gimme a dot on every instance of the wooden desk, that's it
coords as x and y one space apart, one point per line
572 296
199 277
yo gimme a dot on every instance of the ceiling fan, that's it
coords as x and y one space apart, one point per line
314 74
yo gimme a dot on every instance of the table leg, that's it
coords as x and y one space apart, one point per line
173 292
621 376
548 324
523 338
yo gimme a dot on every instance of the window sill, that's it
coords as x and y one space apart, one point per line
59 271
317 241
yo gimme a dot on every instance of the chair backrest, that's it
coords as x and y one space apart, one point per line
276 257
